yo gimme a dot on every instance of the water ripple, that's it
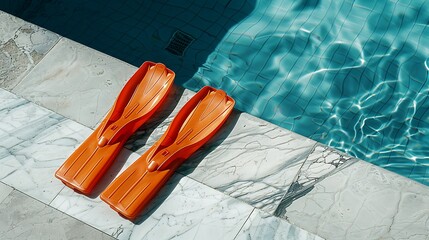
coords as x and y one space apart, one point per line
354 77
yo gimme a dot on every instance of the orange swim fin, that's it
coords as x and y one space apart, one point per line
200 118
141 96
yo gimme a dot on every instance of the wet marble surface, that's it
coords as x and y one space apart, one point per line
261 225
183 209
76 82
22 46
22 217
363 201
33 143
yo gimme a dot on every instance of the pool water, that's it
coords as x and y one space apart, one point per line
350 74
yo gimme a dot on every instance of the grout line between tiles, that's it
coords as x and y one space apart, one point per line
1 181
56 195
12 189
242 226
295 178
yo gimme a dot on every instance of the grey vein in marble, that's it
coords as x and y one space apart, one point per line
22 217
261 225
319 164
33 143
75 81
363 201
22 46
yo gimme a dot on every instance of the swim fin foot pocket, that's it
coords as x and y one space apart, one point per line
141 96
199 119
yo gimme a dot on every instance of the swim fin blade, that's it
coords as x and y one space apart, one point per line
199 119
141 96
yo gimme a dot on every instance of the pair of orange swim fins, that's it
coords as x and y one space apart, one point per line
199 119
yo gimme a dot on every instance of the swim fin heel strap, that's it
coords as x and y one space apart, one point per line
141 96
199 119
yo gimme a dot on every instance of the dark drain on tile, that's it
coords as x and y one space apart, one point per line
179 42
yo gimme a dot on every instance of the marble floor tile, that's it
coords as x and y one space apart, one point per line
363 201
22 46
75 81
261 225
93 212
22 217
16 114
184 209
322 162
33 143
5 190
30 165
250 160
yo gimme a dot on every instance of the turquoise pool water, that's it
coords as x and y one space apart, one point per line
350 74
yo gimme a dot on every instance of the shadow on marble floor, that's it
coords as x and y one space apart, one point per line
135 31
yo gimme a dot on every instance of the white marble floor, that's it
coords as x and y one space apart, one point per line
253 180
35 141
22 217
